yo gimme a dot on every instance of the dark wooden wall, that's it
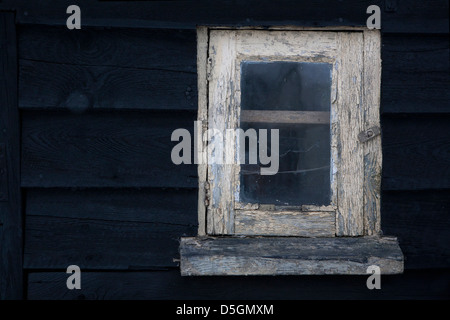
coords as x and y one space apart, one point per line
98 106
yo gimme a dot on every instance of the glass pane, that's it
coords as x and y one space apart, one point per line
283 85
303 175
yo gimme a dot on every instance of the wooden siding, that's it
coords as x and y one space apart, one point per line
141 56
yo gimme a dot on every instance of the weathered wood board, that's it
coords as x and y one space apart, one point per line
350 166
288 256
284 223
299 117
372 152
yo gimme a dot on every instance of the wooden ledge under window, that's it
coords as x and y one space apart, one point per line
219 256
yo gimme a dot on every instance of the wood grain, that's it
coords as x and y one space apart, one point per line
288 256
284 223
135 48
372 148
415 80
11 276
48 85
421 220
174 50
350 167
165 206
415 74
414 16
168 285
107 68
106 229
310 208
416 152
121 149
286 45
300 117
202 118
227 49
222 115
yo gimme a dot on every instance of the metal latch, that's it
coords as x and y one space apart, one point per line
370 133
3 174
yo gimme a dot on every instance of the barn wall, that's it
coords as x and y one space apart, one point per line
98 106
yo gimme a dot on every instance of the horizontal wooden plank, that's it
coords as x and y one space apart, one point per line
304 117
168 285
79 88
169 206
119 149
162 54
415 152
54 242
309 208
413 16
284 223
133 149
107 229
415 74
288 256
162 49
107 68
421 221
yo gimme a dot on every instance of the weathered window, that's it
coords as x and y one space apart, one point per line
300 113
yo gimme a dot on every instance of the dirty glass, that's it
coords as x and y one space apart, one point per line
284 85
303 175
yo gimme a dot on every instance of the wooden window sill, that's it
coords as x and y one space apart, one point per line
219 256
